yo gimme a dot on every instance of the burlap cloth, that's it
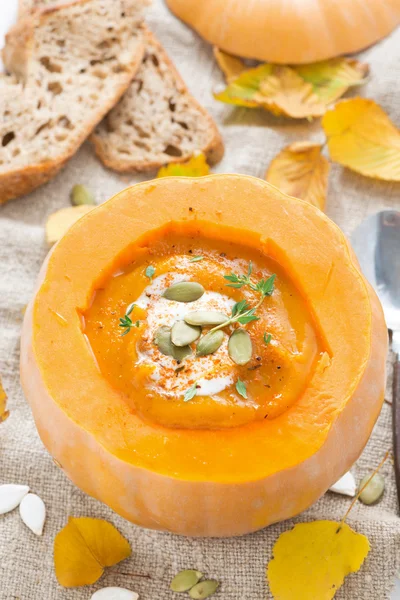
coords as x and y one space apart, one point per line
252 138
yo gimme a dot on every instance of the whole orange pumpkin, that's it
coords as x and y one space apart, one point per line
216 465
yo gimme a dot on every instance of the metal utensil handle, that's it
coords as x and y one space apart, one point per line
396 422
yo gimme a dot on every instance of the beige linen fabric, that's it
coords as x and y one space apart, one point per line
252 138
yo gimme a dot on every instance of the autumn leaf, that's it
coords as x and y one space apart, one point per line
59 222
300 170
4 413
194 167
275 88
318 556
361 137
84 548
294 91
231 66
332 78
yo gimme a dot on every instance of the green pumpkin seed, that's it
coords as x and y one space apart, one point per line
184 291
204 589
183 334
81 195
374 490
205 317
210 343
185 580
240 347
162 340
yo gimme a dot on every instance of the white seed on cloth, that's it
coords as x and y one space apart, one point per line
33 513
346 485
11 495
114 593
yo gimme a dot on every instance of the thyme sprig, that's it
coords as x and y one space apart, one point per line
241 311
126 321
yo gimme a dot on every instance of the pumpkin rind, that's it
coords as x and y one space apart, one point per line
285 32
216 483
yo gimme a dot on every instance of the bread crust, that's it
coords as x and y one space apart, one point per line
20 181
213 151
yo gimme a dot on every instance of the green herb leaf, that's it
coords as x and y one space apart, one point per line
150 270
247 319
126 321
266 286
196 258
239 307
241 388
190 392
130 308
250 269
267 338
235 285
232 277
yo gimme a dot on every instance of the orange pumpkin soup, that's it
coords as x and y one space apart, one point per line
284 340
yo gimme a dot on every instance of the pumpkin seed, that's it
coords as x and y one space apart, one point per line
183 334
81 195
162 340
210 343
374 490
205 317
240 347
185 580
204 589
184 291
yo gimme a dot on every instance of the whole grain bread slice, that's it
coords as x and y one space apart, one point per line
157 121
67 66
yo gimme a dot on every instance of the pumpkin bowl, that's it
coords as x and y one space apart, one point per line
288 31
116 412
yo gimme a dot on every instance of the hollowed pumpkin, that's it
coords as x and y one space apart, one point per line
288 31
198 468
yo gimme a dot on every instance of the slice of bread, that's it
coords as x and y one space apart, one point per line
157 121
66 68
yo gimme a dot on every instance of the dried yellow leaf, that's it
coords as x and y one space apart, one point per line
295 91
362 137
59 222
317 556
300 170
84 548
194 167
332 78
4 413
231 66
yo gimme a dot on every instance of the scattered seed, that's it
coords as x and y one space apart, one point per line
185 580
240 347
184 291
81 195
374 490
114 593
346 485
11 496
204 589
205 318
210 343
183 334
33 513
